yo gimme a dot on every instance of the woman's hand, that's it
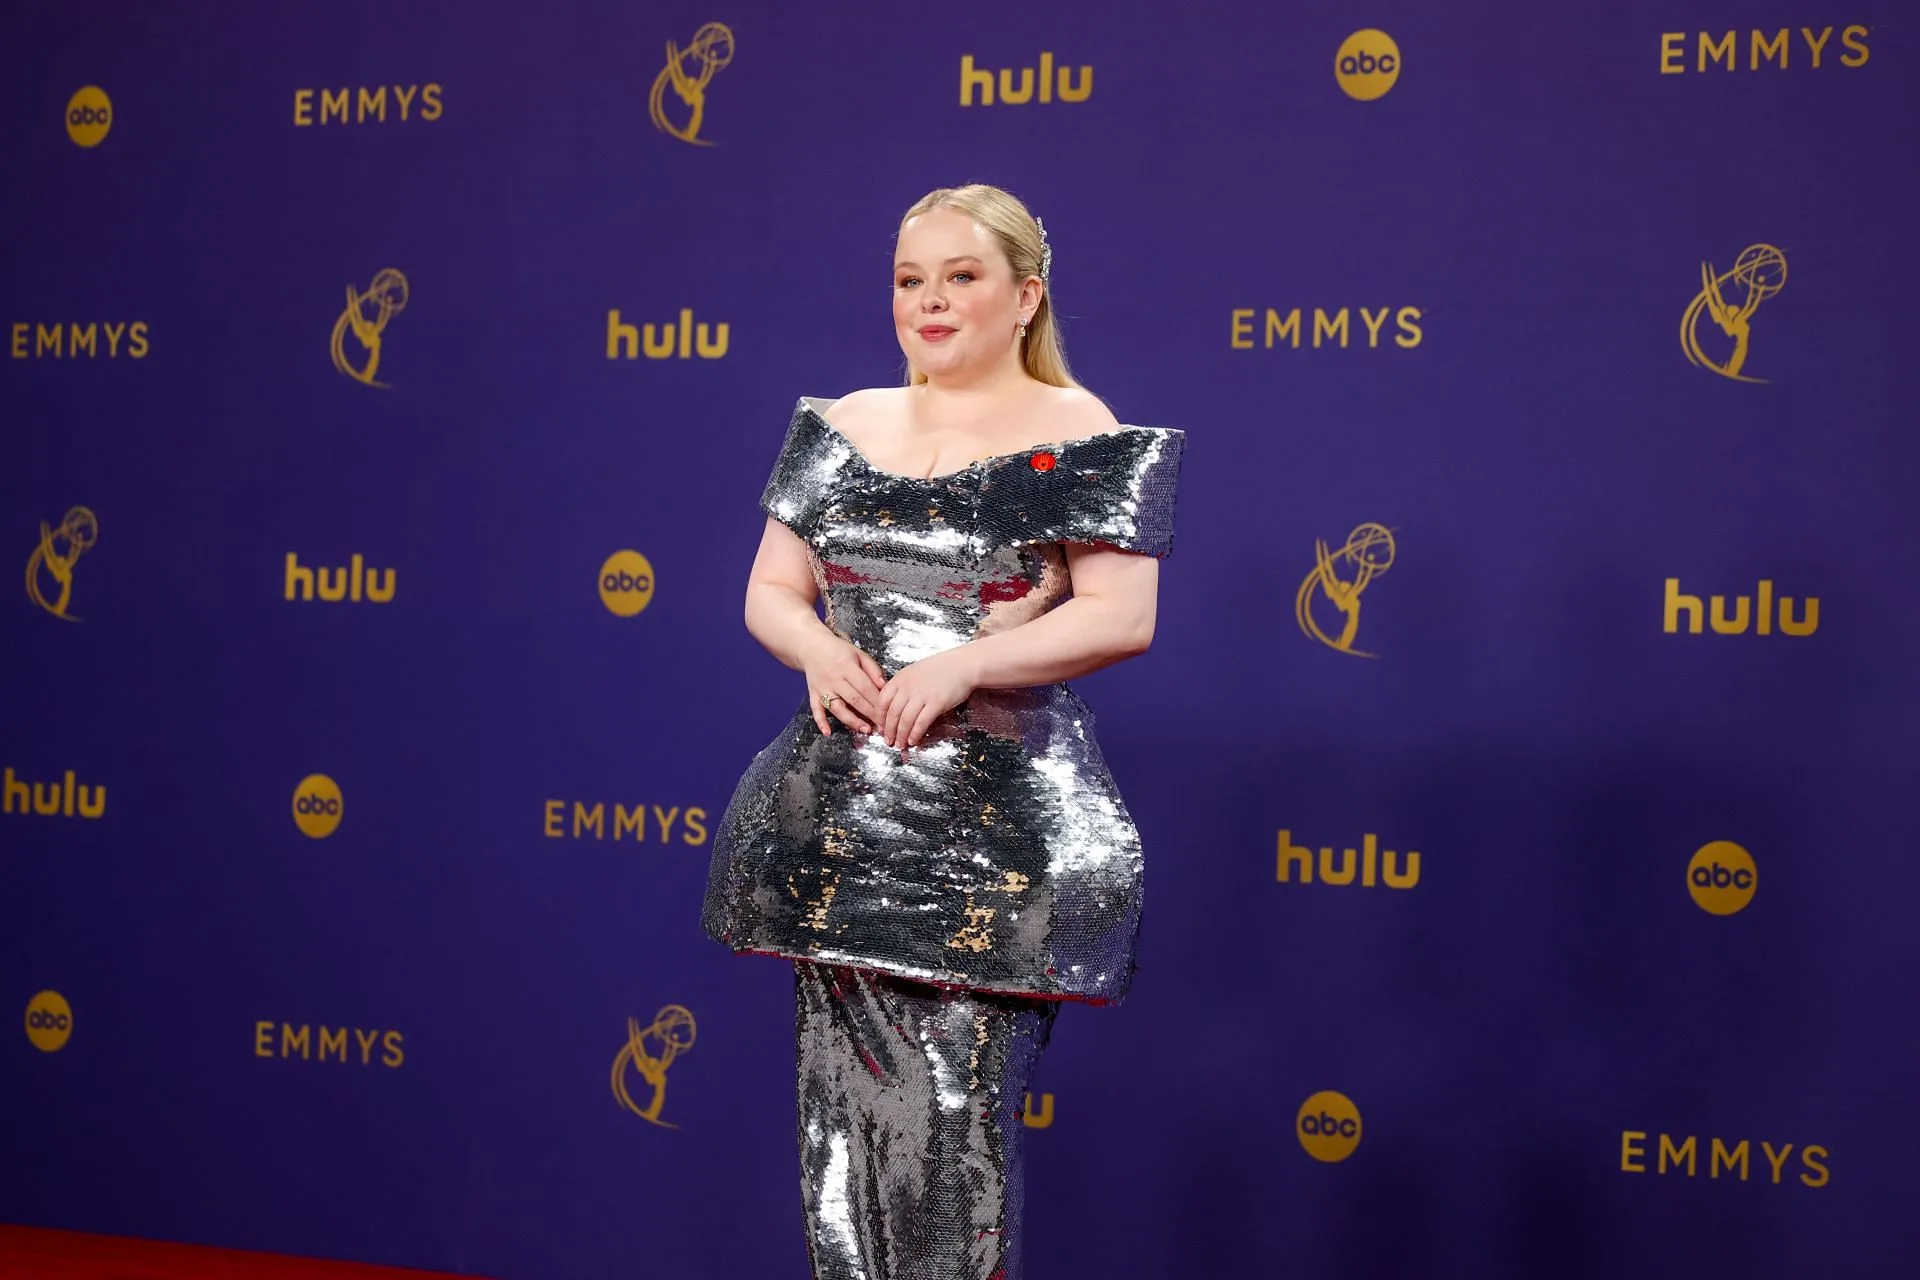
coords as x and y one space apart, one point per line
836 669
921 693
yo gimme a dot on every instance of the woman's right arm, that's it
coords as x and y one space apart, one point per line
781 595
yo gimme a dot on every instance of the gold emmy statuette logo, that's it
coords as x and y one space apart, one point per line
89 116
51 564
386 297
49 1021
1367 65
688 73
1758 273
1328 1126
1721 878
317 806
626 583
650 1051
1368 553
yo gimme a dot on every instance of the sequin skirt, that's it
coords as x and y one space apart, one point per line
997 857
910 1125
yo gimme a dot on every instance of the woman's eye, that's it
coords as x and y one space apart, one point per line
963 275
906 282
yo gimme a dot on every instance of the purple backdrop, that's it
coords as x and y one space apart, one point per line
1532 200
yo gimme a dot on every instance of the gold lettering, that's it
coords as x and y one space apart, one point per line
1816 45
1765 50
1720 1155
113 338
333 104
1671 53
82 340
1242 338
1718 49
666 819
1373 324
365 1040
1776 1161
1407 318
696 832
635 822
44 338
404 95
20 340
555 810
333 1039
594 820
430 102
394 1054
1338 324
263 1039
1806 1157
291 1040
137 340
302 107
375 102
1289 328
1846 38
1687 1149
1288 855
1630 1150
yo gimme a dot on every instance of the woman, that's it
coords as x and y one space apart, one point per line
935 840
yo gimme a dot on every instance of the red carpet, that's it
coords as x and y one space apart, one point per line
31 1253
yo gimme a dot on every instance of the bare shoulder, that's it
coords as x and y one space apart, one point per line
859 409
1076 412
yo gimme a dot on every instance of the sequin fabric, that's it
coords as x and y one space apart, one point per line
998 856
910 1125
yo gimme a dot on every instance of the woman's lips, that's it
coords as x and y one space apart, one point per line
936 333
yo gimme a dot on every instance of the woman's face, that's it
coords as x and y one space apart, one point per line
956 306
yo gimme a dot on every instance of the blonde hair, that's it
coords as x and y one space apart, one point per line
1001 214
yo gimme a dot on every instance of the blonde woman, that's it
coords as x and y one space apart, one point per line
935 840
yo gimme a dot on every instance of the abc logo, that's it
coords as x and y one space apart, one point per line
49 1021
89 116
1367 65
1328 1126
1721 878
317 805
626 583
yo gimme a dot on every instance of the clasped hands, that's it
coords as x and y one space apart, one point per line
902 709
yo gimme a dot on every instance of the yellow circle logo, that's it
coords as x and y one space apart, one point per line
1367 65
89 116
1721 878
626 583
49 1021
317 805
1328 1126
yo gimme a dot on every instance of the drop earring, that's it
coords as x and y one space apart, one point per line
1023 328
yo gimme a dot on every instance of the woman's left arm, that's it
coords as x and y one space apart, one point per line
1109 618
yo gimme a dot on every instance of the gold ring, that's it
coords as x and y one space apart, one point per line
830 699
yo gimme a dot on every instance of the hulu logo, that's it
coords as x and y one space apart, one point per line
1369 864
1052 82
1759 616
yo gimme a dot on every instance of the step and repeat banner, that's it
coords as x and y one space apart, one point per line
1525 758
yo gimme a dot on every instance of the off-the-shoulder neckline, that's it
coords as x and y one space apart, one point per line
806 406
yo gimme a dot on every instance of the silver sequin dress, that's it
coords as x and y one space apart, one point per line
999 856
